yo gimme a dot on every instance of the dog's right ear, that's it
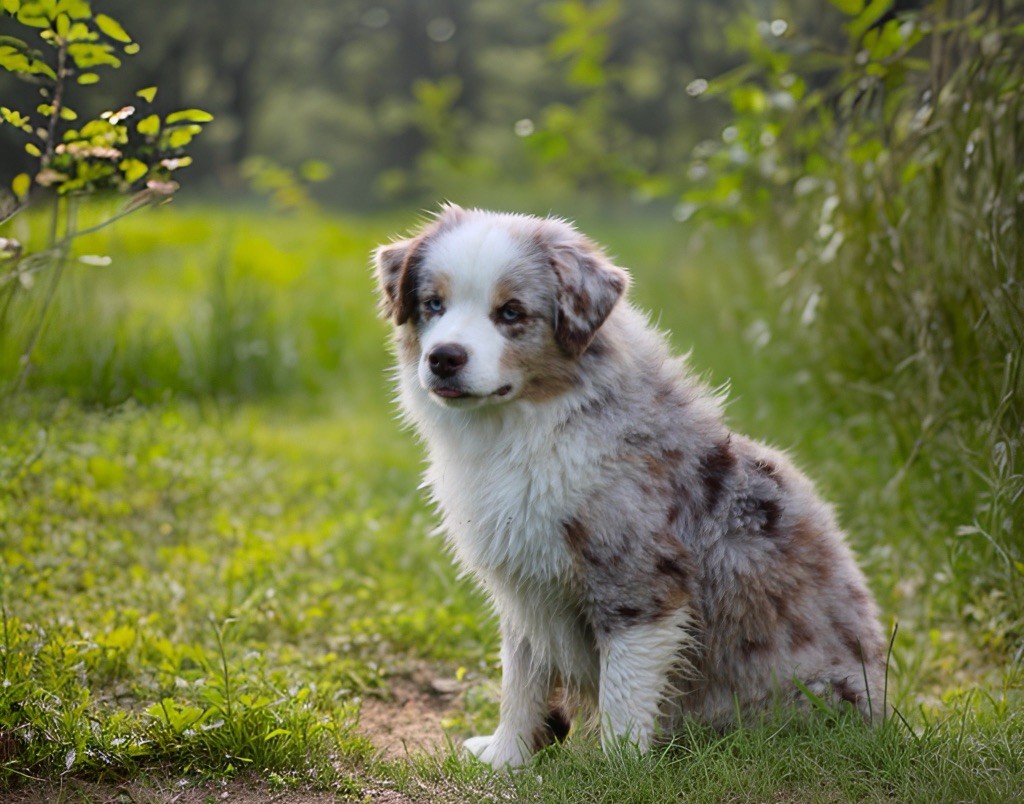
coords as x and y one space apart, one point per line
394 276
398 265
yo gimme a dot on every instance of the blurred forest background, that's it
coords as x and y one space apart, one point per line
398 96
825 197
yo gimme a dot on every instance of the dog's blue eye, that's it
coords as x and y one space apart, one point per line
510 313
433 305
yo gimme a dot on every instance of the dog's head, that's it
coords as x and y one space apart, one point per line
495 307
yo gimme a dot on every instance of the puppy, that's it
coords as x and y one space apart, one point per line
644 561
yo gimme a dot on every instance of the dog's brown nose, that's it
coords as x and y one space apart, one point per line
445 360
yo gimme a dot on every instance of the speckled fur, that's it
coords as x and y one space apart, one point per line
644 561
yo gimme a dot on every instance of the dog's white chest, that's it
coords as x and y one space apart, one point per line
505 500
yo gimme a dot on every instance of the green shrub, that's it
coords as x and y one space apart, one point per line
898 175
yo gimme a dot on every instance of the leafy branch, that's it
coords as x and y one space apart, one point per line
133 149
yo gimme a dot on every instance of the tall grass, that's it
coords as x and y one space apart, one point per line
246 307
924 300
897 246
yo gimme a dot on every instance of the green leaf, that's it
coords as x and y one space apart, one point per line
21 184
189 115
181 137
80 33
870 15
112 28
150 126
15 43
133 170
90 55
68 114
15 118
33 16
76 9
132 49
32 149
147 94
10 6
17 57
88 78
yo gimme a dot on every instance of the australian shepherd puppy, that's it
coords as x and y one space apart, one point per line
644 561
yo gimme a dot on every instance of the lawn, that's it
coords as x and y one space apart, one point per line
218 576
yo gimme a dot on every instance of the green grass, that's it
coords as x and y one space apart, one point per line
212 547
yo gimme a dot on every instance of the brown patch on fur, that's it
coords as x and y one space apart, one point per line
674 569
715 468
407 301
409 346
780 604
441 284
573 341
673 513
554 729
505 291
803 543
844 692
667 394
514 330
580 543
751 646
675 598
803 532
849 639
389 260
598 347
859 597
596 405
576 535
551 373
800 634
769 511
628 613
656 466
661 466
769 470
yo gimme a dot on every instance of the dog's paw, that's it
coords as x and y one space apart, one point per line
497 751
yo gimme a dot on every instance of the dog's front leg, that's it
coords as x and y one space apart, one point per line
525 690
636 662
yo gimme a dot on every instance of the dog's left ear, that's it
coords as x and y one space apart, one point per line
390 260
589 285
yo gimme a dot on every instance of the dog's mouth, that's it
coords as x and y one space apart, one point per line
449 392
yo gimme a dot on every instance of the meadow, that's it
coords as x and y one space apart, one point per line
219 578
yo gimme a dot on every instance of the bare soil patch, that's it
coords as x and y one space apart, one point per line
410 720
